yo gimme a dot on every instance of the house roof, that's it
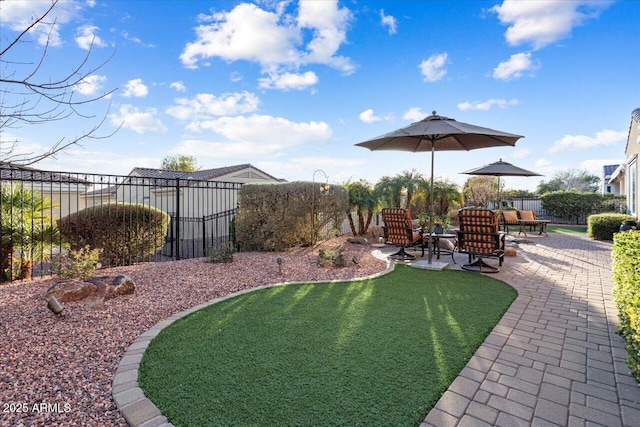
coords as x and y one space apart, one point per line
10 171
203 175
635 116
609 169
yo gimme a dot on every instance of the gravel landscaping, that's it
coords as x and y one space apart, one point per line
58 371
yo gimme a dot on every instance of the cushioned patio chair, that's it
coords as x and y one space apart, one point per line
509 218
527 216
398 230
479 237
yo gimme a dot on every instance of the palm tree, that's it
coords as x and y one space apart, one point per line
392 189
26 230
363 199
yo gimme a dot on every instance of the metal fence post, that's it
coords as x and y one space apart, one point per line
177 218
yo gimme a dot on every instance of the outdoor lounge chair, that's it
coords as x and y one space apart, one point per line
398 230
479 236
509 217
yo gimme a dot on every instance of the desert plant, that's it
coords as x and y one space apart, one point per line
77 264
332 257
127 233
222 253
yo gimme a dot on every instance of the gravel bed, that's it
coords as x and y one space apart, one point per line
58 371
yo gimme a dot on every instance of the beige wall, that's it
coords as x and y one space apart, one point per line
633 166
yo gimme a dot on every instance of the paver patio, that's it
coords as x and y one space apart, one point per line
553 360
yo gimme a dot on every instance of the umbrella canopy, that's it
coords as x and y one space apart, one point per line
439 133
499 169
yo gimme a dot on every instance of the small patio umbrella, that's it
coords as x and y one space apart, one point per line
439 133
499 169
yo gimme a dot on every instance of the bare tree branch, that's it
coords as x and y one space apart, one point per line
29 99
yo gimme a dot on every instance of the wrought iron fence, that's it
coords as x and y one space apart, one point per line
200 213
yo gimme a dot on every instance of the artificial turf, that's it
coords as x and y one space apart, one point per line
567 229
372 352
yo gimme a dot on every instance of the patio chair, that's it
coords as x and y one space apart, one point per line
480 237
509 218
398 230
526 216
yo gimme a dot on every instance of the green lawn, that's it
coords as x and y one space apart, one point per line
567 229
373 352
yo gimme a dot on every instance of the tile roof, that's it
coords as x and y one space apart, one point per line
12 171
609 169
204 175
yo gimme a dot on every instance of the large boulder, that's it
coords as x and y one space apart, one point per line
94 290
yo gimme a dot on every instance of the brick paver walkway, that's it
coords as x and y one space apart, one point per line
554 359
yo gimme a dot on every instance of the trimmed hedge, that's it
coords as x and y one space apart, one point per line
277 217
625 257
127 233
604 226
571 204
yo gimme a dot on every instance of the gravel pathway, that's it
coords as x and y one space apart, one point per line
57 371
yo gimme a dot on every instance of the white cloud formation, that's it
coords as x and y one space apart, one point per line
486 105
389 21
135 88
18 15
140 121
414 114
178 86
604 138
287 81
91 85
434 68
275 40
205 106
368 116
515 67
543 22
86 37
522 153
256 136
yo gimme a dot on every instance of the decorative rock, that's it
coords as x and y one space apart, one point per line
358 240
71 290
510 251
95 290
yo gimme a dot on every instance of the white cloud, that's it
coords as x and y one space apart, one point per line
86 37
388 21
135 88
255 136
604 138
415 114
486 105
288 81
543 22
178 86
522 153
515 67
543 163
275 133
434 68
18 15
91 85
140 121
204 106
368 116
273 39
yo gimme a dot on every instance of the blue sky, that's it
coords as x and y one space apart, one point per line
291 86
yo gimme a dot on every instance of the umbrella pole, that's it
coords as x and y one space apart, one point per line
429 236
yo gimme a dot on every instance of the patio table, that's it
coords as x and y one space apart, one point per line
542 223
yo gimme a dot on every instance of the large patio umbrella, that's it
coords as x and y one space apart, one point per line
439 133
499 169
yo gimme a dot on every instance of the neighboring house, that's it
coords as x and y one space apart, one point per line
632 152
63 189
617 179
610 185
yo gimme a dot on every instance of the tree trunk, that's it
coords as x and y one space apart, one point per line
6 255
26 266
369 219
361 229
351 224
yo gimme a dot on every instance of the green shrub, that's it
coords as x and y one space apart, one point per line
625 256
571 204
603 226
127 233
222 253
77 264
332 257
277 217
